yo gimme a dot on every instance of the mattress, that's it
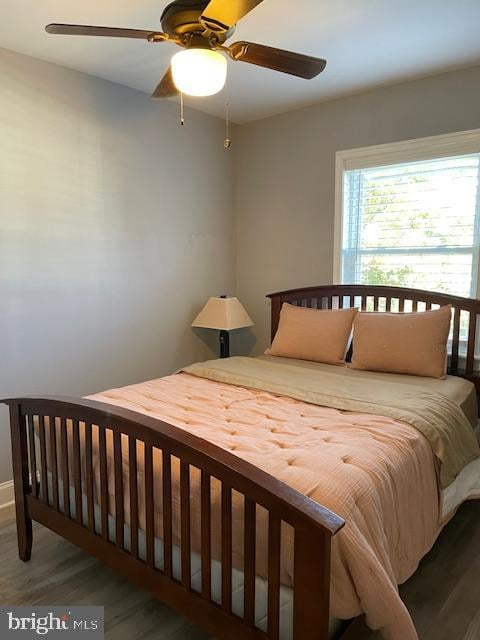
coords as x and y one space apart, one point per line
465 487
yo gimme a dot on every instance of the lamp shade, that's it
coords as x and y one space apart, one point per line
224 314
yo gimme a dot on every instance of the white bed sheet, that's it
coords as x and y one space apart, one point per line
465 487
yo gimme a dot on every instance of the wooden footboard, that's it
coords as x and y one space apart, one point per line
38 499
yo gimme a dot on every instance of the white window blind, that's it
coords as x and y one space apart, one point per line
414 225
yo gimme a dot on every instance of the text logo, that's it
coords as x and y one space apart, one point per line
27 623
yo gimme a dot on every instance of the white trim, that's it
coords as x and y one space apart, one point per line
338 228
450 144
7 498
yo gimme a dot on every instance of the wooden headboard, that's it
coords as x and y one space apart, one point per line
396 299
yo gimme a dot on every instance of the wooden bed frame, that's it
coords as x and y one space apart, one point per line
313 525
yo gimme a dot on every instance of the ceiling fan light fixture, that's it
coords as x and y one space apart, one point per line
199 72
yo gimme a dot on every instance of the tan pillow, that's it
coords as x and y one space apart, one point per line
412 343
313 334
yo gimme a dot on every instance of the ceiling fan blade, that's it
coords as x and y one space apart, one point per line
294 64
108 32
166 88
220 15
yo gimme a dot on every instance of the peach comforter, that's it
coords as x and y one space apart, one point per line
379 474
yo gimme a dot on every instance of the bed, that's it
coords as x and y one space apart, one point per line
219 530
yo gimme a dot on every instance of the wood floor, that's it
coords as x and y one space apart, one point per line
443 596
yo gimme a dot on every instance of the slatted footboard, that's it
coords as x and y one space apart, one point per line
65 474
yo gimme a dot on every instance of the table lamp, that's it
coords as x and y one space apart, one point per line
224 314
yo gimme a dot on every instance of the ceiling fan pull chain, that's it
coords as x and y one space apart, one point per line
182 109
228 141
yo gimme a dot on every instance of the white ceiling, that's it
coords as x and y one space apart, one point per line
366 42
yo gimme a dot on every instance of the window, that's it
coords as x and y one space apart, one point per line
408 214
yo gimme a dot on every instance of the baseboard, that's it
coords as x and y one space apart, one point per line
7 498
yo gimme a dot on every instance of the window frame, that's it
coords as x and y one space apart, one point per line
430 148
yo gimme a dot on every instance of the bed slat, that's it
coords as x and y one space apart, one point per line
226 548
43 460
118 469
133 490
103 481
53 461
249 559
167 512
65 470
205 525
472 323
89 477
274 549
149 505
185 526
455 340
77 473
33 457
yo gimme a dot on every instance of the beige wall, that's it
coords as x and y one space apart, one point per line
115 227
286 173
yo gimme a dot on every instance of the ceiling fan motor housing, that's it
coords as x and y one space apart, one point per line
183 17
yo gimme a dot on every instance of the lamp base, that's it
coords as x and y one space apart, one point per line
224 344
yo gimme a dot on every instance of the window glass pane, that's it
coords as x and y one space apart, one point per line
413 225
448 273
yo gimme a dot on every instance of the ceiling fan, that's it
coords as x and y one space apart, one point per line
202 28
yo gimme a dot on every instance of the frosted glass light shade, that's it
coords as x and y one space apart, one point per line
199 72
224 314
